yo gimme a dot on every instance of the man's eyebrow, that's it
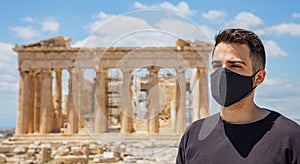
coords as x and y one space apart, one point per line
236 61
216 62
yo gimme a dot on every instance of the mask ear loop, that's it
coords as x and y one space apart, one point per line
253 79
256 73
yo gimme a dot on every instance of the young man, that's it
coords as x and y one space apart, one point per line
244 132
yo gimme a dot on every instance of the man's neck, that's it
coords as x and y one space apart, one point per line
245 111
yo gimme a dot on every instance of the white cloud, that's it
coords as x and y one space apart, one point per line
28 19
8 77
111 29
94 41
50 25
151 38
273 49
136 39
260 32
25 33
181 8
245 20
272 81
296 15
214 15
132 30
281 95
8 58
9 86
102 18
8 68
185 29
209 32
120 25
285 28
177 27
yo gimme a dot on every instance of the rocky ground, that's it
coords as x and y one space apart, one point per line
88 151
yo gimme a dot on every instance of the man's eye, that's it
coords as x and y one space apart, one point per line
237 66
216 66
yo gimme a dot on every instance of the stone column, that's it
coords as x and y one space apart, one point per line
47 111
57 100
180 104
72 117
24 93
154 108
20 113
173 115
30 104
78 87
126 106
101 116
203 93
37 102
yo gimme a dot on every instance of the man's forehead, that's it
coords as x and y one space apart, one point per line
231 51
233 60
231 47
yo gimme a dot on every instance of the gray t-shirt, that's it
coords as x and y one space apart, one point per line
279 144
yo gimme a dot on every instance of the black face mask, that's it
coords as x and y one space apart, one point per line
228 87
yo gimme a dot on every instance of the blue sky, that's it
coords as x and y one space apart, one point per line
276 22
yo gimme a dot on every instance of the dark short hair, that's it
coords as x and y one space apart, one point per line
242 36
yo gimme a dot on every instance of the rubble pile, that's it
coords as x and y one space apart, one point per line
91 152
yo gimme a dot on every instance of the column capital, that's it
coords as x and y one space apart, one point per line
202 70
38 74
57 70
75 70
38 70
70 70
180 70
24 71
126 70
78 70
46 71
32 72
102 70
153 69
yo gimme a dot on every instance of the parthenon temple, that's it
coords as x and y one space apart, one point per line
132 90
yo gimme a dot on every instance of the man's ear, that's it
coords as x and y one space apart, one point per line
259 77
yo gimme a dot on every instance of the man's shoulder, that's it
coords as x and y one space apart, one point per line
214 117
209 121
285 125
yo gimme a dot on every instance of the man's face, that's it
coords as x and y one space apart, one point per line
233 56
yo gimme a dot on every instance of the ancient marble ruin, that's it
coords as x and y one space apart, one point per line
110 108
